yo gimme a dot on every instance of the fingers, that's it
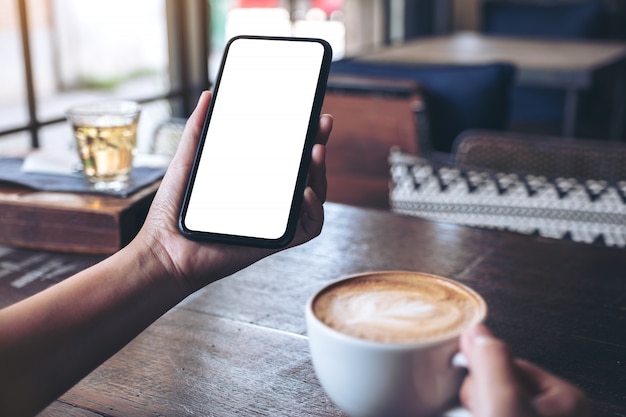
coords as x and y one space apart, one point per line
555 396
313 214
325 126
183 159
168 197
317 171
193 129
499 385
312 211
492 389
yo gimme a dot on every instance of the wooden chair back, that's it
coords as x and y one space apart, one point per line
542 155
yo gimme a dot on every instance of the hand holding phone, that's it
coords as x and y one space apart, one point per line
250 169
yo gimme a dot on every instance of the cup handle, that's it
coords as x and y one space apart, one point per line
458 412
458 360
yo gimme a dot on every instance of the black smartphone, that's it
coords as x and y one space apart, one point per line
251 166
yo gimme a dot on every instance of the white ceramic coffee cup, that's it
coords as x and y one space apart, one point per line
367 378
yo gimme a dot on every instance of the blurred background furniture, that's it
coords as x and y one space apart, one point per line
569 19
457 97
550 186
567 65
167 136
542 108
371 115
549 156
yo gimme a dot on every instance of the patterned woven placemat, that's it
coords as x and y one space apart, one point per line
590 211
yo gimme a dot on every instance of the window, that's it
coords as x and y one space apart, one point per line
350 26
58 53
62 52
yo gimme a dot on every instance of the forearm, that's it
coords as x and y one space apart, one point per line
55 338
52 340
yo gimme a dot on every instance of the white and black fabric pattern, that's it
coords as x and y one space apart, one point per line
590 211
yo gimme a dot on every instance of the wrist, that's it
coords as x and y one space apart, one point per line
153 269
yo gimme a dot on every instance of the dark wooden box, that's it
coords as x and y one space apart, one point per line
67 222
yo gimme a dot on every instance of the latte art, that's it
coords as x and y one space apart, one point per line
393 311
398 307
384 309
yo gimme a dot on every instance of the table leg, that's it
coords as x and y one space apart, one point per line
569 113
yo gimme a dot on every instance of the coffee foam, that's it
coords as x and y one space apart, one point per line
398 307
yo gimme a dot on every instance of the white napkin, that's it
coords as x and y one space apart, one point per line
150 160
67 162
51 162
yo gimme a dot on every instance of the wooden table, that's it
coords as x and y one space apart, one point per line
568 65
238 347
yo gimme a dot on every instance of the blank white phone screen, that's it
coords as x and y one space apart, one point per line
247 171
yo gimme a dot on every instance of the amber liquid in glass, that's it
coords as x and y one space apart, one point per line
106 153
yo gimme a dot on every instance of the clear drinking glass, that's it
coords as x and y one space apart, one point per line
106 141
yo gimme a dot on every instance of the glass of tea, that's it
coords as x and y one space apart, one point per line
106 140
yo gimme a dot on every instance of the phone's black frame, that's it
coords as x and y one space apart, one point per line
305 158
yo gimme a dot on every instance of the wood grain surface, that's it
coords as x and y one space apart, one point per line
71 222
239 347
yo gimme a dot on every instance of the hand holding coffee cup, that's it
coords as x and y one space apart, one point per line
383 343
